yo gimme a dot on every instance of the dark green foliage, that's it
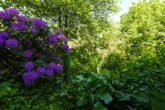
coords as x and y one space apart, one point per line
132 90
15 96
67 66
113 62
91 91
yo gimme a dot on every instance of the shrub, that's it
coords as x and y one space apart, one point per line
27 47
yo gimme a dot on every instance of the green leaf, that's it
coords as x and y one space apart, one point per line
142 97
157 105
124 96
107 98
80 102
40 63
80 77
99 106
4 89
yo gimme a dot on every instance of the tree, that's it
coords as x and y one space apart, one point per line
74 16
143 27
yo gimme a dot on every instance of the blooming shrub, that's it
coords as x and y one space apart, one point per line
27 46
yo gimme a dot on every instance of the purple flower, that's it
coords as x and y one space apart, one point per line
12 43
3 15
55 67
4 35
41 70
21 18
59 32
29 77
14 26
22 27
66 48
34 30
58 68
28 65
39 23
49 72
27 54
2 41
60 36
12 11
52 38
65 39
51 65
19 27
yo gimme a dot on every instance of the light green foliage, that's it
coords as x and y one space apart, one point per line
144 28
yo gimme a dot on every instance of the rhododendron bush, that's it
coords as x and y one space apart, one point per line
28 49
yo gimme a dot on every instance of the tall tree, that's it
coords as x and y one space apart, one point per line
144 27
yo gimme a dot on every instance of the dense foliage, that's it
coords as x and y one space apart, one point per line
110 67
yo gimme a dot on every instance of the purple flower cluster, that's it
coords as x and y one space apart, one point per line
53 68
20 23
34 30
5 16
52 38
49 72
2 41
18 26
7 41
28 65
29 77
3 37
59 32
39 23
27 53
41 70
58 68
8 13
12 11
31 49
21 18
66 47
12 43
